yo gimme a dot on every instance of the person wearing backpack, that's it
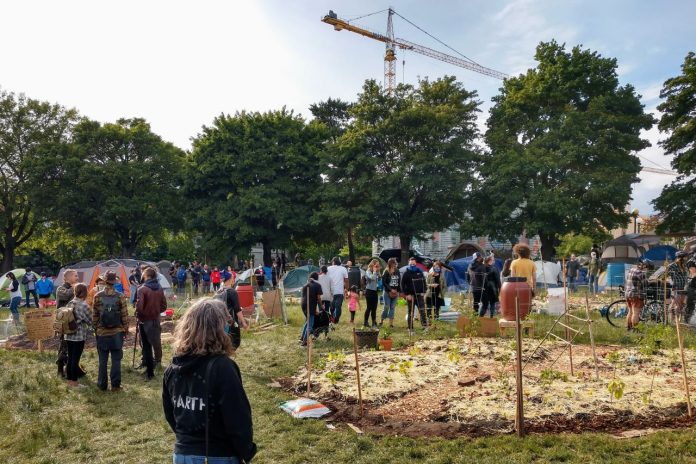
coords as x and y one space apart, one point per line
230 297
75 338
151 302
203 398
181 280
64 294
110 320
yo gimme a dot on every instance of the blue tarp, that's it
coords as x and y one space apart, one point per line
457 277
659 253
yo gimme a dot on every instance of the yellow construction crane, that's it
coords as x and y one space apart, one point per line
392 43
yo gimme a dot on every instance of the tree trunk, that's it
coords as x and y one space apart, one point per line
405 249
351 247
8 258
267 260
548 246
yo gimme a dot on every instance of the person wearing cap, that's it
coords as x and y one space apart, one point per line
44 287
679 276
29 282
477 280
110 321
636 291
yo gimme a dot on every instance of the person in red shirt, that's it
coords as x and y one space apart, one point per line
215 279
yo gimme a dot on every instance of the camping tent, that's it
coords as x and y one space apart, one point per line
457 279
464 250
658 254
19 273
622 250
295 279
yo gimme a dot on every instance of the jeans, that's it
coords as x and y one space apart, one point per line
190 459
150 334
336 304
593 283
308 326
110 345
36 298
74 354
371 299
570 282
14 307
389 306
181 287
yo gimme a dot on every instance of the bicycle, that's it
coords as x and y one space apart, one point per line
653 310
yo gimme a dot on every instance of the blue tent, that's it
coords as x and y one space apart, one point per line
457 278
659 253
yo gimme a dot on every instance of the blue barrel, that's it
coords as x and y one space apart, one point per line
615 274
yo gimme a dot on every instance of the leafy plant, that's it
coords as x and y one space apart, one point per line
338 356
616 388
404 367
654 337
386 333
415 351
453 353
547 376
334 376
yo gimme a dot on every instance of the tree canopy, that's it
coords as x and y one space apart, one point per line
562 140
677 202
26 127
119 181
410 156
252 178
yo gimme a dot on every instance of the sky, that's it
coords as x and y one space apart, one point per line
179 64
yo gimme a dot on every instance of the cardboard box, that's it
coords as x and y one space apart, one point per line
487 327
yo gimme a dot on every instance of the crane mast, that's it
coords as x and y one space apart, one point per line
391 44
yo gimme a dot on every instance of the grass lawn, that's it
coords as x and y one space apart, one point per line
42 421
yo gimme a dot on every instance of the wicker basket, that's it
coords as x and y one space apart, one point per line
39 324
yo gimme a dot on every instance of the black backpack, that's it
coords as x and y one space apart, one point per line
110 316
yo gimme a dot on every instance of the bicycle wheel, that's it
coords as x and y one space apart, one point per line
653 311
616 313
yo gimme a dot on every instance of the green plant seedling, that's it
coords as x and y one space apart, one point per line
616 388
334 376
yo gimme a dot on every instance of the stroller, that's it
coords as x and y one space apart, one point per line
322 324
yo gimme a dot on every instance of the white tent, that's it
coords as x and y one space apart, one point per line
547 273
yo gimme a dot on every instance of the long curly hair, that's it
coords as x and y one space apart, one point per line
201 332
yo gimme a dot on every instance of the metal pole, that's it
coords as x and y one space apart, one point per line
683 363
589 327
519 419
357 371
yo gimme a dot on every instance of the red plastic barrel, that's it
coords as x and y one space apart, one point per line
515 287
246 297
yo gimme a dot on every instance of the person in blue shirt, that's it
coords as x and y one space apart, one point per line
44 287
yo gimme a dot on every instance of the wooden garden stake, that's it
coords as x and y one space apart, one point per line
519 417
683 363
309 362
664 293
589 328
357 371
565 305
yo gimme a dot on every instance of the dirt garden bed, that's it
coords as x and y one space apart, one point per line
467 387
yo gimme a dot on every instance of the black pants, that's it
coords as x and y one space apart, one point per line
478 297
109 346
75 350
417 300
371 299
216 286
194 286
434 304
148 357
36 298
690 301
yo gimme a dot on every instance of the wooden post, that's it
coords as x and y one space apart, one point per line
589 328
664 293
567 319
357 371
519 417
309 362
683 363
40 342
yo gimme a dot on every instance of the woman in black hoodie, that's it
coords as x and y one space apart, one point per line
203 398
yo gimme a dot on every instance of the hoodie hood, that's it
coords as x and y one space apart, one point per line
152 284
187 363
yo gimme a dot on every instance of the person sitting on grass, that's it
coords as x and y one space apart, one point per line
203 398
76 341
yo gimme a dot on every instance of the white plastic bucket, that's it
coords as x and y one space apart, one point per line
557 298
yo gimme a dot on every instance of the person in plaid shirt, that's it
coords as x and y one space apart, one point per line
76 341
636 289
679 276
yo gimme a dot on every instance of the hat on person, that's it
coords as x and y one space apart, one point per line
43 274
110 277
476 256
691 264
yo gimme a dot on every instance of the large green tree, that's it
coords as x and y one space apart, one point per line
677 202
410 157
252 178
562 140
26 125
117 180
